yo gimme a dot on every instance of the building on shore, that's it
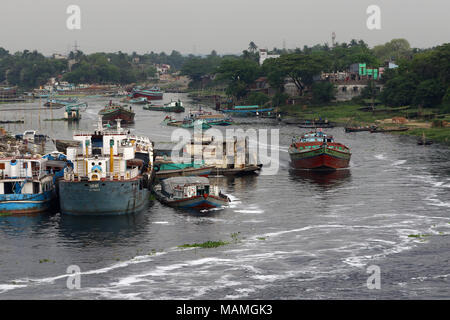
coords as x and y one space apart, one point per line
264 55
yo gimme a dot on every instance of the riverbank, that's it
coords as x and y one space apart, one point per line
352 115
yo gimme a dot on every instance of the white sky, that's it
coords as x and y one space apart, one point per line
199 26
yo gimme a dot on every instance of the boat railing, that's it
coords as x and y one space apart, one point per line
115 176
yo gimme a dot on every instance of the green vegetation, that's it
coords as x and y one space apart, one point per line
213 244
422 81
419 236
205 245
31 69
46 261
28 69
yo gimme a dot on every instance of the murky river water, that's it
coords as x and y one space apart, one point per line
299 235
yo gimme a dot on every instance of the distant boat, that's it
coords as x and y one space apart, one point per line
59 103
153 93
73 111
318 151
191 123
112 112
378 130
423 141
190 193
210 118
359 129
174 106
313 124
141 100
62 145
246 110
31 136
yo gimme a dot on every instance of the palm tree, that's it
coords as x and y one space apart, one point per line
252 47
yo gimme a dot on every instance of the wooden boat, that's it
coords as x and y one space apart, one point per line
153 93
166 170
11 121
380 130
359 129
168 120
73 111
62 145
59 103
210 118
424 141
174 106
112 112
246 110
313 124
140 100
191 123
318 151
190 193
245 170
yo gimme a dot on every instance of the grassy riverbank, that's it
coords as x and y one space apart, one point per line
348 114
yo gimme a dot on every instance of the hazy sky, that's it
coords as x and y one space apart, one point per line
199 26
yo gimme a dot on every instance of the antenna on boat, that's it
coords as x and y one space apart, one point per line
119 128
100 124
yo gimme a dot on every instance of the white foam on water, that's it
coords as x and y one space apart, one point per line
274 234
28 281
380 157
406 243
160 222
253 221
249 211
399 162
8 287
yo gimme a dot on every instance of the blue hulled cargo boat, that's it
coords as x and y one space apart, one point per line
112 173
27 184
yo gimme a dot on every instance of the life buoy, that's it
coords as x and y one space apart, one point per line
156 168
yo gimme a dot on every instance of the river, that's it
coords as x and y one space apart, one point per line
293 235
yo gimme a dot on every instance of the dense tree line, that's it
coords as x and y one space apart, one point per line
32 69
28 69
421 81
422 78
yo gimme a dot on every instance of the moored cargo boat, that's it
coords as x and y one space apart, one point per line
174 106
112 112
27 184
112 173
153 93
190 193
318 151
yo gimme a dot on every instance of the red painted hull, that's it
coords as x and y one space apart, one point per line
323 161
148 96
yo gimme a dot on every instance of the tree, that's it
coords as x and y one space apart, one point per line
323 92
239 74
257 98
429 93
252 47
394 50
301 68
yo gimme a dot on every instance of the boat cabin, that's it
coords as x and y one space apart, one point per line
24 176
188 187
